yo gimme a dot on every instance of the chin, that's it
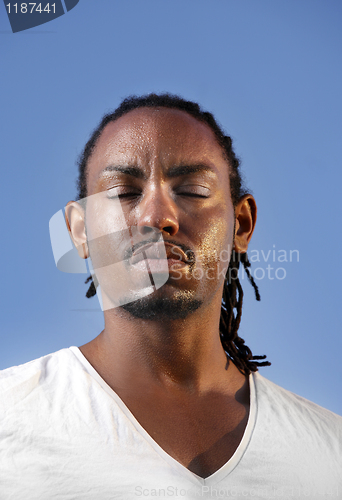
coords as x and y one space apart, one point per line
155 307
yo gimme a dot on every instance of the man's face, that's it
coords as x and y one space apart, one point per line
168 172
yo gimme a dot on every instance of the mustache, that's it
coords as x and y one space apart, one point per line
117 246
190 254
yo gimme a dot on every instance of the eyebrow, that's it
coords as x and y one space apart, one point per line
188 169
172 172
133 171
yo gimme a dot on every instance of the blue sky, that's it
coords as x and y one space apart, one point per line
271 74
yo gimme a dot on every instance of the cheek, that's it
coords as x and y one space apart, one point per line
215 236
104 217
107 234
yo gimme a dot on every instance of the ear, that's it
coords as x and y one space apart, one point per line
245 219
75 219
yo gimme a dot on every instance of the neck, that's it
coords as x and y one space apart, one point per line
184 352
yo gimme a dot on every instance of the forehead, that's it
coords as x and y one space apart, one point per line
146 136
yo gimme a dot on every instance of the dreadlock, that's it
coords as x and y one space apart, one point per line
229 322
232 296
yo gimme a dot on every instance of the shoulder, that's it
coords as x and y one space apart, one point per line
20 382
275 394
302 418
296 444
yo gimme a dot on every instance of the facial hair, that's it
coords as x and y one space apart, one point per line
154 307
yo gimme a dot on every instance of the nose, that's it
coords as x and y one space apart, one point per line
158 210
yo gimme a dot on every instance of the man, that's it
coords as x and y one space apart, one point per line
167 400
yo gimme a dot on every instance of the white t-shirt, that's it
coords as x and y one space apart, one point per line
66 435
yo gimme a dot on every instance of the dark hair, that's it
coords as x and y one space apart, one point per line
232 292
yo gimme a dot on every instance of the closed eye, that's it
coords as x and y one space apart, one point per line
121 193
194 191
193 195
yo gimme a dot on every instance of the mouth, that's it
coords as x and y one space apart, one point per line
146 251
175 253
175 256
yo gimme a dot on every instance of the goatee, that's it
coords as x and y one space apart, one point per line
152 307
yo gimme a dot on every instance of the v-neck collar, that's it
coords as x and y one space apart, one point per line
218 475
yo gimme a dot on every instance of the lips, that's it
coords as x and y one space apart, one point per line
156 251
174 252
